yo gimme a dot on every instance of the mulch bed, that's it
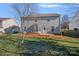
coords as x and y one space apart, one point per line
38 35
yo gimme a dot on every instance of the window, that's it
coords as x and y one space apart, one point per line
36 28
24 28
35 20
44 28
0 24
52 28
49 18
75 29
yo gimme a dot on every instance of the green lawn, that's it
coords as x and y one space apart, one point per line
11 45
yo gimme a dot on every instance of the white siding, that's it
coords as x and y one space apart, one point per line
74 23
1 30
7 23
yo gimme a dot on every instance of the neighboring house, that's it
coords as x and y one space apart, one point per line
41 23
74 24
7 24
12 29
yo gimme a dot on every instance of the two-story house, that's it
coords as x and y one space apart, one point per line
41 23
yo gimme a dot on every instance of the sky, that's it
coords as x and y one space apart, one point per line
59 8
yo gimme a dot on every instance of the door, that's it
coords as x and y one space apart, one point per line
36 28
52 28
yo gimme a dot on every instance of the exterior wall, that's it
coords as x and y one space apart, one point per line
1 30
6 24
74 23
9 23
41 22
13 29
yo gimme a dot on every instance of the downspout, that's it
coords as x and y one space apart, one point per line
60 26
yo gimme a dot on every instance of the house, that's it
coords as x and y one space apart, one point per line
74 23
7 25
41 23
12 29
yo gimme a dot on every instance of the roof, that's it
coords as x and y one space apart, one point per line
40 15
2 19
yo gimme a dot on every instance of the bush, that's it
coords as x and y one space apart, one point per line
71 33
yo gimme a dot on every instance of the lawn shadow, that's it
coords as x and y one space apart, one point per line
41 48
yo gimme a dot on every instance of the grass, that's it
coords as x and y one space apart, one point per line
55 46
11 45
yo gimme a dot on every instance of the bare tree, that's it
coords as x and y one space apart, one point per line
65 22
23 9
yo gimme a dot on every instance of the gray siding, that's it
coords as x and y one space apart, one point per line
44 26
74 23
